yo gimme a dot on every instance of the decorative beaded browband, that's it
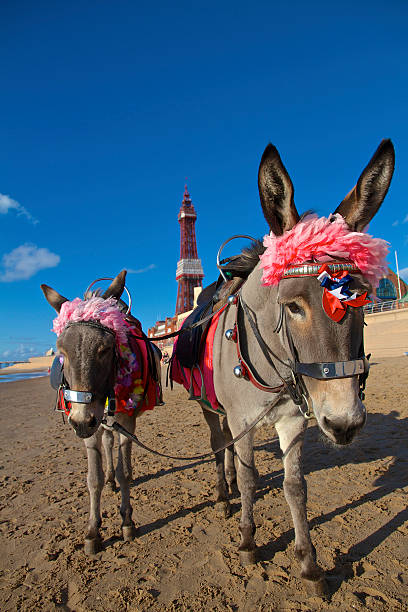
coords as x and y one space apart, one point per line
314 269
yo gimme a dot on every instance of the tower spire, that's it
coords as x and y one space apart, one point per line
189 272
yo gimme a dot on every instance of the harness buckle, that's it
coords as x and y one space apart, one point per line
110 406
306 401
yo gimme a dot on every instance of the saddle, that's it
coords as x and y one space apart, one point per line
191 342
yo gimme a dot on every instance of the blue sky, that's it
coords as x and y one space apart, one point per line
107 106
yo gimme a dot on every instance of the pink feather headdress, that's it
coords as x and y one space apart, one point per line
321 240
94 309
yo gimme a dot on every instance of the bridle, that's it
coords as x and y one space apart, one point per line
65 395
294 384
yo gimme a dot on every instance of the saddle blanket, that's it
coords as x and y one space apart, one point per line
143 382
182 375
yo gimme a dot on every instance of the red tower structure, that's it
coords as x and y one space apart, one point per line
189 272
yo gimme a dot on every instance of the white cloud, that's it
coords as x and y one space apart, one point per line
7 204
404 274
19 353
406 219
141 270
396 222
25 261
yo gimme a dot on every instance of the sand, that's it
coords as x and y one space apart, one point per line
185 557
34 364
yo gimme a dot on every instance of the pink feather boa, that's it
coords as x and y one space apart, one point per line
94 309
321 239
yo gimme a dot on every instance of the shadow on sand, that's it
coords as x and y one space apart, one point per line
384 436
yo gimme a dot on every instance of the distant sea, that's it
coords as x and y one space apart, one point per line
21 376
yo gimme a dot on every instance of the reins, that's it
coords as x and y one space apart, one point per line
120 429
183 328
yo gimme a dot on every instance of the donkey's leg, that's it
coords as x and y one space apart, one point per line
93 542
230 471
107 443
291 434
124 476
217 441
247 480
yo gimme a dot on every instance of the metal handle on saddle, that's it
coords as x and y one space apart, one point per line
111 278
223 245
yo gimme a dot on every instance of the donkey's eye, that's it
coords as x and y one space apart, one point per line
103 351
295 308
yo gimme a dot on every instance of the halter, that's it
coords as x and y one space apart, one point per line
65 395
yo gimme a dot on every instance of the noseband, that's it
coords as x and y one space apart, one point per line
294 384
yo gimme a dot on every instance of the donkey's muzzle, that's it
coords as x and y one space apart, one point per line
84 419
343 433
84 428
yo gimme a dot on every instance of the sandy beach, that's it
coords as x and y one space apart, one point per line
34 364
185 556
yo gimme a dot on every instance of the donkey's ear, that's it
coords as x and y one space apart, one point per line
53 297
364 200
116 287
276 192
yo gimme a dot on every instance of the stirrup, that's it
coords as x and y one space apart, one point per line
203 394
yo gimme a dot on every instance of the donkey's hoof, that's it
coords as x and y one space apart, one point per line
317 588
247 557
223 508
91 547
129 532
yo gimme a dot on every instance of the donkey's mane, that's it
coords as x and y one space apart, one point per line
95 293
246 261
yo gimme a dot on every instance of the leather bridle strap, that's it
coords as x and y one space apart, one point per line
133 437
184 328
337 369
287 384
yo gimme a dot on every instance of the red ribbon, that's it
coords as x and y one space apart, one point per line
335 308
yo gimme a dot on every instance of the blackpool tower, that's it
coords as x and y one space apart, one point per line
189 272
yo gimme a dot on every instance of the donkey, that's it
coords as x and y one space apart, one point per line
294 354
89 349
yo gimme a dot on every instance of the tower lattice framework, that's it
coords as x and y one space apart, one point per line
189 272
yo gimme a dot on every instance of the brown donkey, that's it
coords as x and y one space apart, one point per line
95 344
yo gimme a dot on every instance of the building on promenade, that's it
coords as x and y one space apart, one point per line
390 287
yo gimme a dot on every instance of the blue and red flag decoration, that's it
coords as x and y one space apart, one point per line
337 294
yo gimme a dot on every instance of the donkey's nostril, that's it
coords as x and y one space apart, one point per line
332 426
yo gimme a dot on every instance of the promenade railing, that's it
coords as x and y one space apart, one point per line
384 306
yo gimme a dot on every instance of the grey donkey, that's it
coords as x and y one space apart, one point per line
89 365
336 403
